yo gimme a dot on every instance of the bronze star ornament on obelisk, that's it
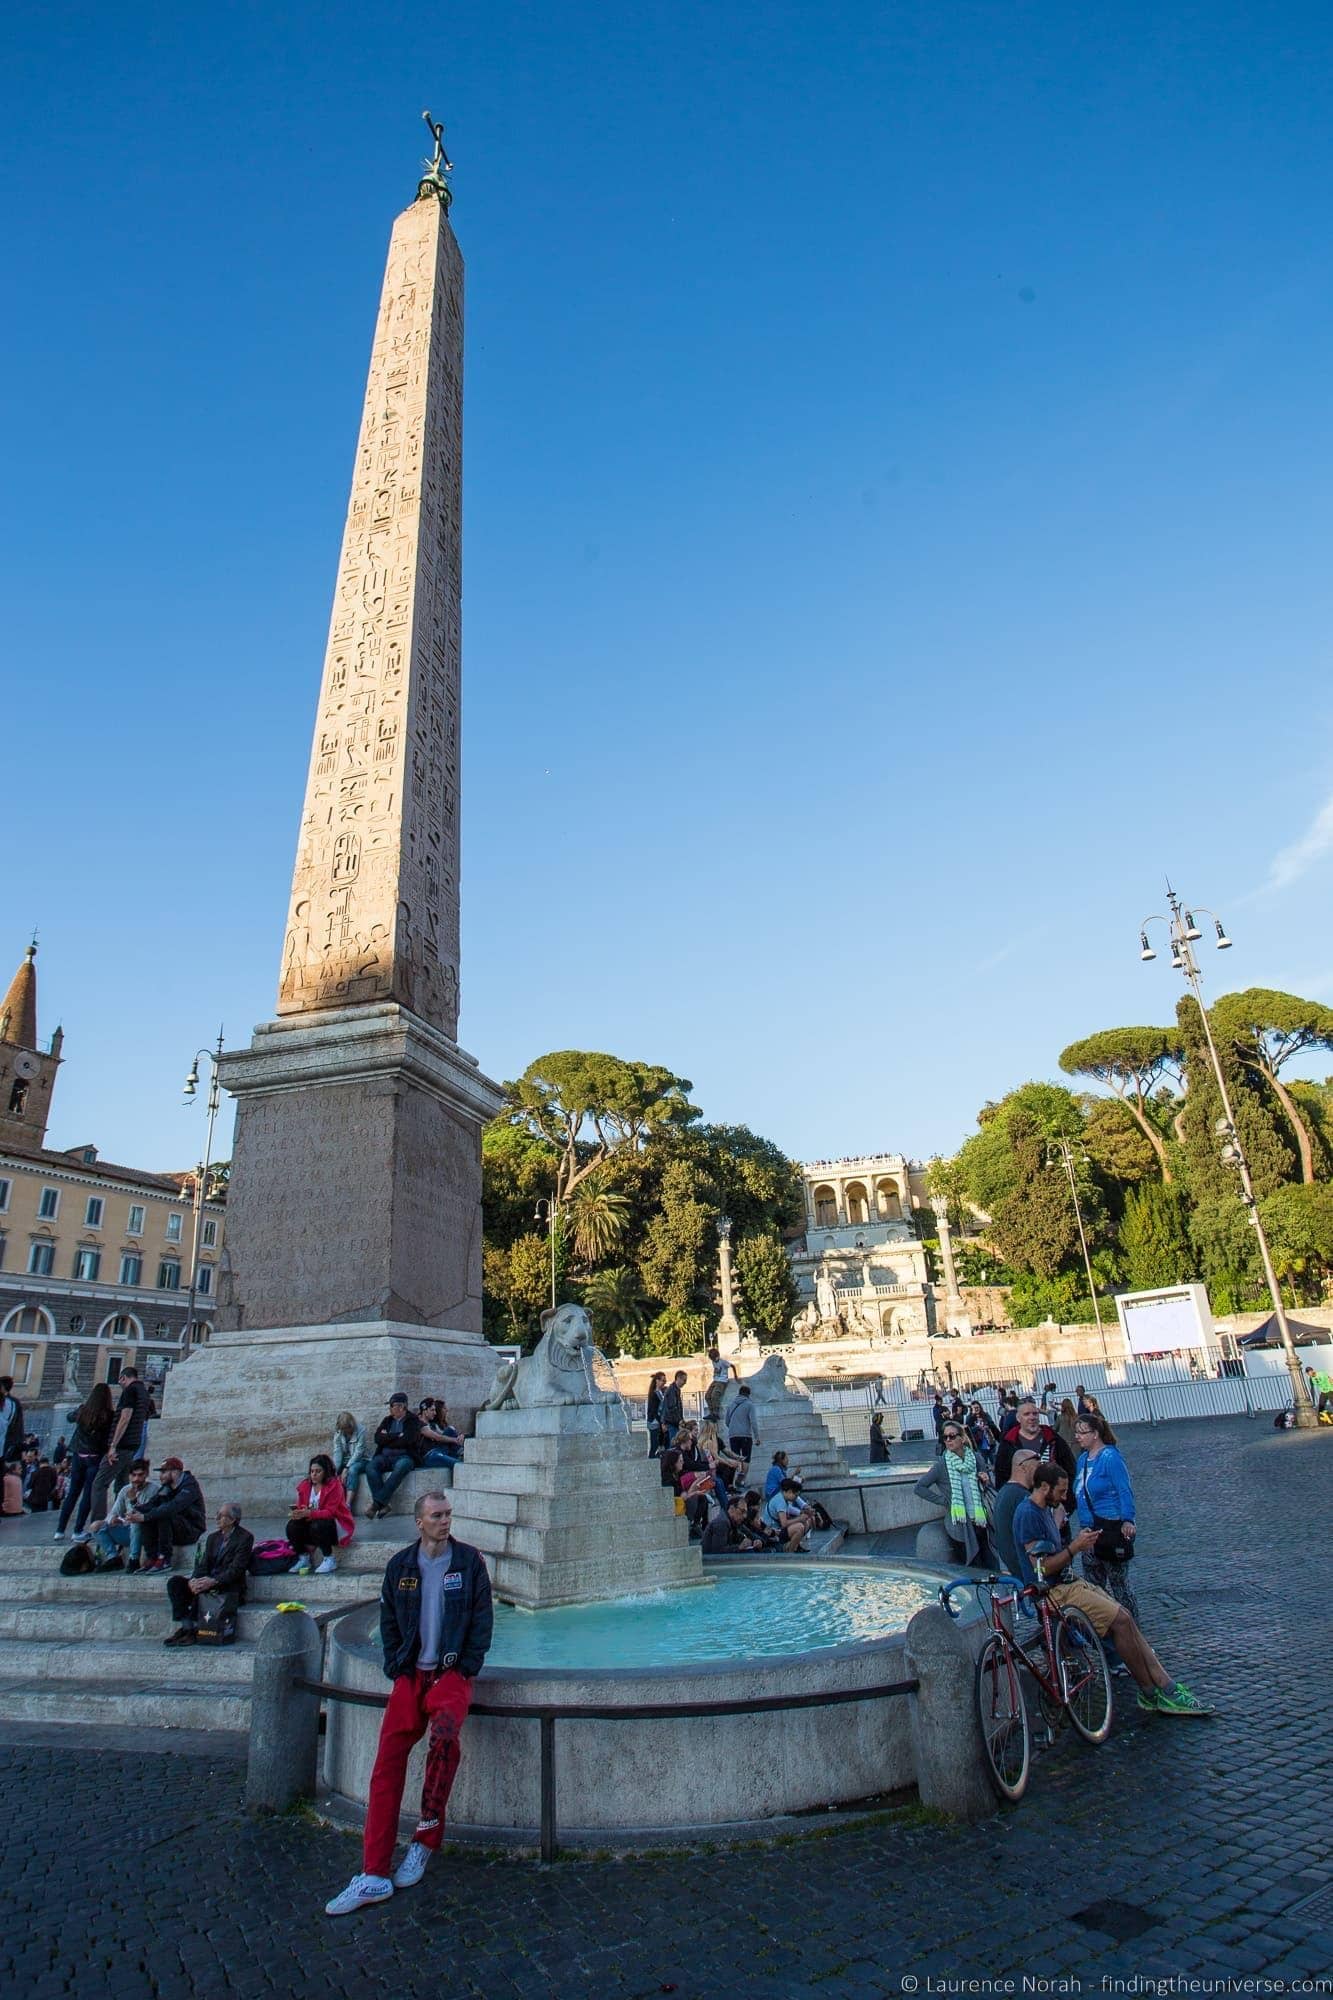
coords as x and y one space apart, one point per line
353 1258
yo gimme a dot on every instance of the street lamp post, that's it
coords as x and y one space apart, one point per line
213 1056
549 1213
1184 934
1065 1152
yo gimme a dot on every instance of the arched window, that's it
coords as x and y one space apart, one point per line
122 1328
858 1204
889 1202
826 1208
29 1323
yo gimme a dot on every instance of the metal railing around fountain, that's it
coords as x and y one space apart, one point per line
547 1714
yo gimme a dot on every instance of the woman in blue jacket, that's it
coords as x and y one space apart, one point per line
1105 1500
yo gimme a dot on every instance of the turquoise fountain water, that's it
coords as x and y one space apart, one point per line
749 1612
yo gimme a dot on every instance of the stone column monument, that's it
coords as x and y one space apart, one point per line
353 1257
956 1317
728 1335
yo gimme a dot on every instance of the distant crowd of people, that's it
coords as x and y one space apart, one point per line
1024 1503
709 1472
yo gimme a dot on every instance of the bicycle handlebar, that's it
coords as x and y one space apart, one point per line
970 1583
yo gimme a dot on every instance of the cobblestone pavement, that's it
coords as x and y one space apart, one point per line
129 1874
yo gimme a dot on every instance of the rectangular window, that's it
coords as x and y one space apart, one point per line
48 1208
21 1366
40 1259
135 1224
209 1234
173 1229
4 1195
204 1281
169 1275
113 1368
87 1264
3 1241
92 1215
131 1268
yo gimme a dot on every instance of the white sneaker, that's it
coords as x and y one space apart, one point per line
327 1568
360 1892
58 1536
412 1866
303 1569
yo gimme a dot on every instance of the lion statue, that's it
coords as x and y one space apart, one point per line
559 1369
770 1384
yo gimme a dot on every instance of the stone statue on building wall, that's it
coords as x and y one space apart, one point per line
69 1382
824 1296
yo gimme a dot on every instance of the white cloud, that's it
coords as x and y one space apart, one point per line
1292 862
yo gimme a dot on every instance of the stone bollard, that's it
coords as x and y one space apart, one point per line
946 1736
284 1721
933 1544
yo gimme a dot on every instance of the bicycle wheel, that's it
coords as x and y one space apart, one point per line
1084 1676
1004 1720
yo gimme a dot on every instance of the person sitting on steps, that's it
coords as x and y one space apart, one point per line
321 1518
120 1536
220 1570
398 1449
172 1519
444 1444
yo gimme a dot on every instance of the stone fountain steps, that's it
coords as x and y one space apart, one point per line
140 1702
567 1507
272 1495
88 1649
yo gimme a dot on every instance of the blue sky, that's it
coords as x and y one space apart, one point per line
897 507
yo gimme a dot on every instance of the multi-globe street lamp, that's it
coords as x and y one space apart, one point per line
1184 933
213 1056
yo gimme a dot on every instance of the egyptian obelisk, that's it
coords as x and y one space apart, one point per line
353 1255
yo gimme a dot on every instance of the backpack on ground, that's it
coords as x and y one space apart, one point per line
271 1558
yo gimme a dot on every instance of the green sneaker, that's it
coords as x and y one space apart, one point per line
1179 1701
1148 1700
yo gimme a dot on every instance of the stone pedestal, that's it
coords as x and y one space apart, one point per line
247 1412
356 1174
788 1421
566 1507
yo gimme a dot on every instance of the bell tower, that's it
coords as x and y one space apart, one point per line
27 1073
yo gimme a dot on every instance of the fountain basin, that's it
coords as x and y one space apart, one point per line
874 1498
773 1627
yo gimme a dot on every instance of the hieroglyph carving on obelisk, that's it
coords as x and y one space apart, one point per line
374 909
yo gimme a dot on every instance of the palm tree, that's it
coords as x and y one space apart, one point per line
597 1222
614 1298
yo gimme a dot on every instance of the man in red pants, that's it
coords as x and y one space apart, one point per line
435 1627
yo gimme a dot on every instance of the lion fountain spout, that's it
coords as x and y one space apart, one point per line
559 1371
557 1492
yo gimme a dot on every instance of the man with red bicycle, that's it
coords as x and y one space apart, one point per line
1044 1557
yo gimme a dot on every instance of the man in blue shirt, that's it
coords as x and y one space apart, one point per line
1045 1559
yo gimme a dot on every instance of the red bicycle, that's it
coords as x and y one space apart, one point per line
1064 1659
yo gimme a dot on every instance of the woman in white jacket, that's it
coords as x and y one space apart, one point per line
350 1454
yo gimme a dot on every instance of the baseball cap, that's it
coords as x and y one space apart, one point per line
397 1397
172 1465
